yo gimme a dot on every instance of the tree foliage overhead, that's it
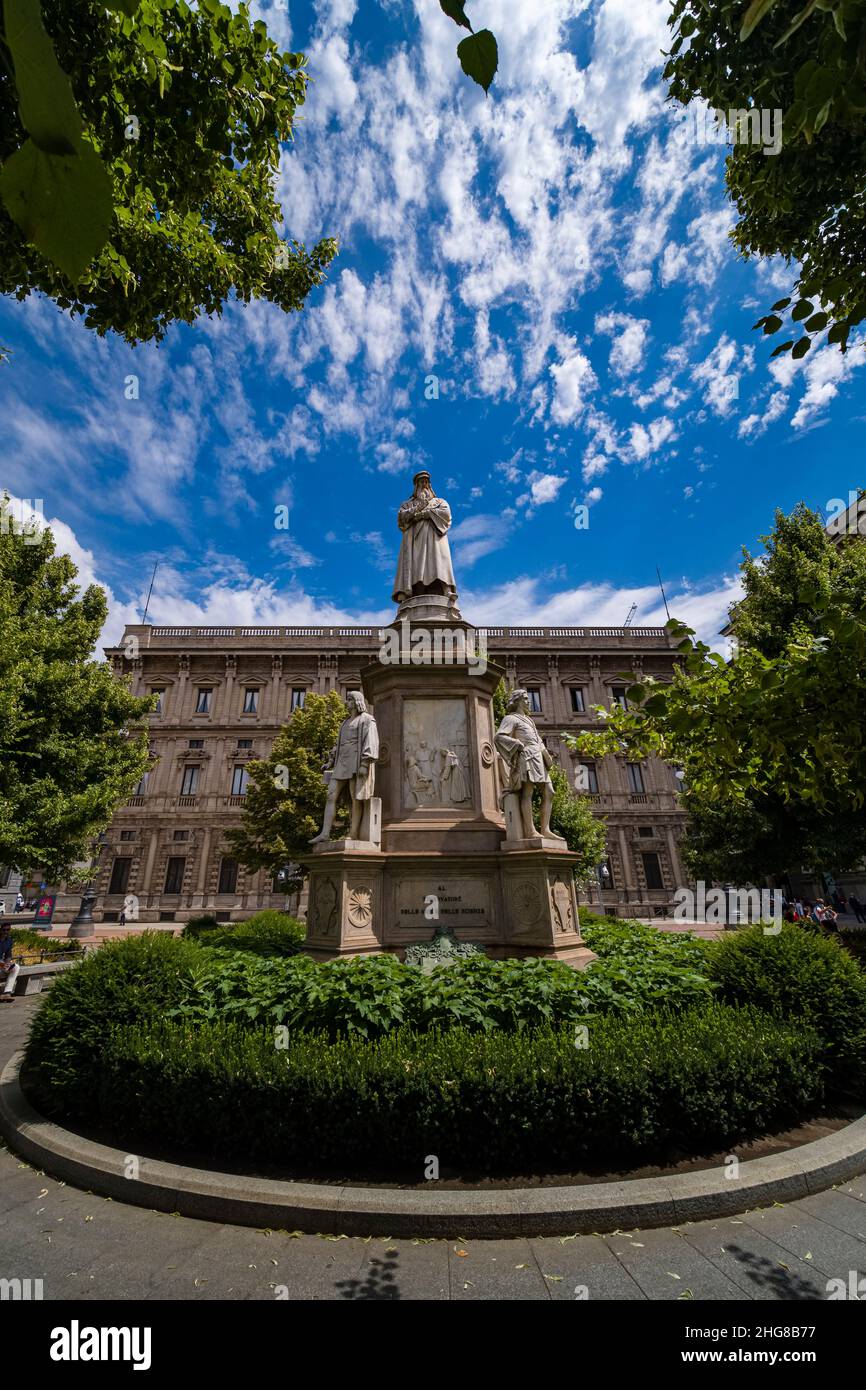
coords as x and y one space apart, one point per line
807 59
479 54
138 172
285 799
72 738
773 743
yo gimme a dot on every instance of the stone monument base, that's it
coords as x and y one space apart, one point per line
515 903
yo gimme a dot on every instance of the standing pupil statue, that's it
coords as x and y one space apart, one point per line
526 762
351 766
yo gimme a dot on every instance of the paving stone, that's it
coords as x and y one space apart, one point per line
667 1267
762 1269
832 1251
496 1269
584 1268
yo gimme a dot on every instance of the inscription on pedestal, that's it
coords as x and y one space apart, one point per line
459 902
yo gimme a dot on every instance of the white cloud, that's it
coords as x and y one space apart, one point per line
629 341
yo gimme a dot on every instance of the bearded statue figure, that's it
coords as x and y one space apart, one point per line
424 564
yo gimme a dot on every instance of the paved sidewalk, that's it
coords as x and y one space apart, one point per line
88 1247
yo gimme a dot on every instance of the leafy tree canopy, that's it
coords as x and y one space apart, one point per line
72 738
806 59
140 144
773 743
285 799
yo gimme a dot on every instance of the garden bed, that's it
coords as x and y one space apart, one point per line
667 1051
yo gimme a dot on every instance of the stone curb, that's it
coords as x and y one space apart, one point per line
333 1210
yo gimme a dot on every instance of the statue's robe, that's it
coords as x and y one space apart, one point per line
424 563
357 740
522 750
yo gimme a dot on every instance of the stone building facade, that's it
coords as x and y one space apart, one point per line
225 692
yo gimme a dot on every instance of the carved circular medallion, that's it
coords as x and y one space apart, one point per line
527 903
487 754
384 754
360 907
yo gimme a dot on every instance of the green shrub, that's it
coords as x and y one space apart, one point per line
27 939
267 933
370 996
800 975
129 981
197 926
644 1088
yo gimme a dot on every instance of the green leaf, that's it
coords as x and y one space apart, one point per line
757 11
782 303
635 693
45 100
479 57
455 9
62 203
802 310
798 20
816 323
127 7
783 347
772 323
801 348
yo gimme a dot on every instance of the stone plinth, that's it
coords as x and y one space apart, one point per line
445 858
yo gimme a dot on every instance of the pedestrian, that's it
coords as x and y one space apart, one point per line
121 921
19 902
8 968
857 907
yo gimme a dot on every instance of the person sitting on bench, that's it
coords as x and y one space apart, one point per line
8 968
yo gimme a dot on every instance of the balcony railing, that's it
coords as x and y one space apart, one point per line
154 636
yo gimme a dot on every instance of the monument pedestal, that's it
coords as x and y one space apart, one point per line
445 858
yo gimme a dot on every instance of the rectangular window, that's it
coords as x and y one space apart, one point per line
160 698
586 778
141 785
634 772
189 785
652 870
120 875
240 778
174 875
534 701
244 745
202 703
251 701
196 743
228 876
578 705
646 831
180 835
606 873
127 834
617 694
298 697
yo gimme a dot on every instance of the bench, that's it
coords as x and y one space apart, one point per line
33 979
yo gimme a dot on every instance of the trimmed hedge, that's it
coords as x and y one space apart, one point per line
644 1088
266 933
800 975
132 980
198 926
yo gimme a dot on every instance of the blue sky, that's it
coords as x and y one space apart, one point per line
554 254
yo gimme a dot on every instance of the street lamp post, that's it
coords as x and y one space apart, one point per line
82 924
